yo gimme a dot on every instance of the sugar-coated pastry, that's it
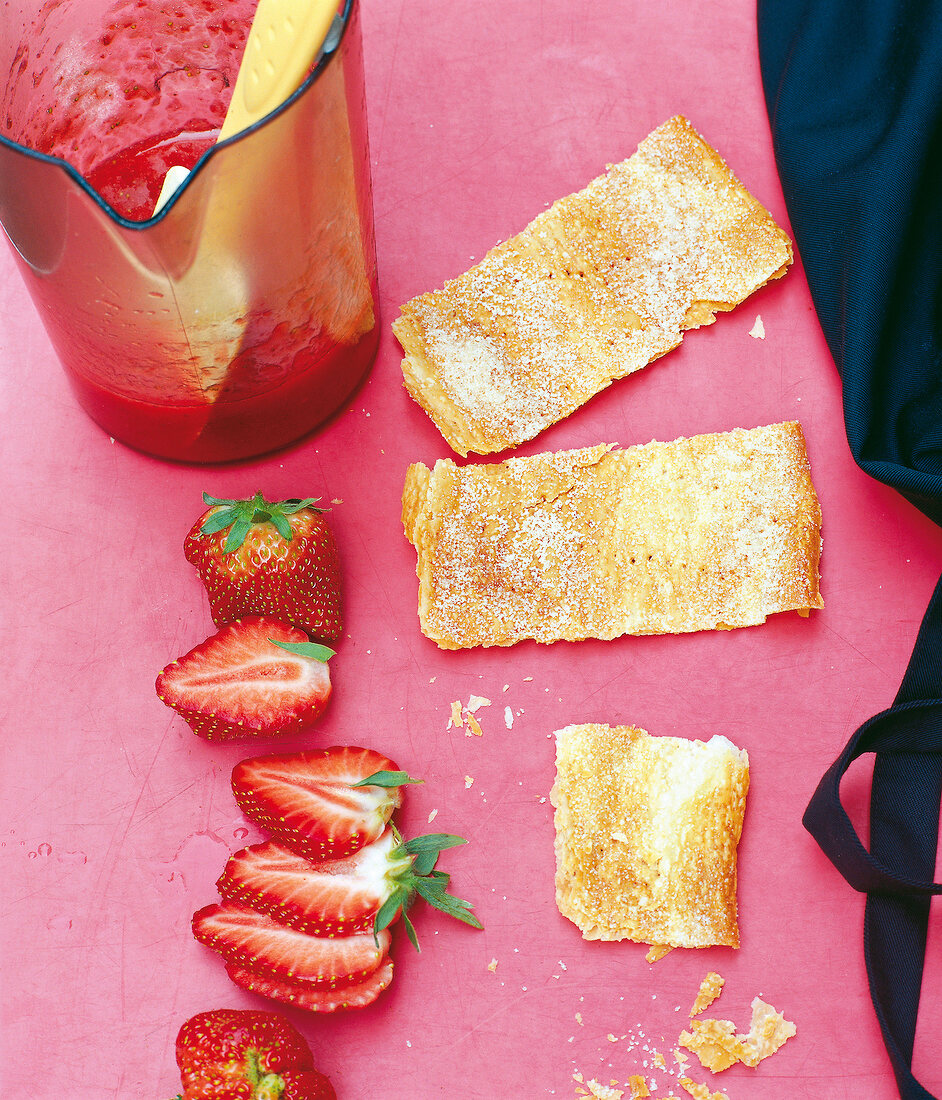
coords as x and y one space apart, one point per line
712 532
596 287
646 835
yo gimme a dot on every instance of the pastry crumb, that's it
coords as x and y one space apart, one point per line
475 702
638 1086
710 988
657 952
474 726
508 718
492 965
715 1043
758 329
468 780
768 1031
432 815
700 1091
456 719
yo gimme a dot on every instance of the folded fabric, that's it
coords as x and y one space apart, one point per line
854 97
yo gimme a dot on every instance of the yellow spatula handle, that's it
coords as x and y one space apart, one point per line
285 37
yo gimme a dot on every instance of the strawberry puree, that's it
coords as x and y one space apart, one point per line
151 84
247 315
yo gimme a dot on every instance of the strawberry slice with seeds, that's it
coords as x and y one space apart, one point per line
314 998
266 557
255 677
318 803
252 940
370 889
336 896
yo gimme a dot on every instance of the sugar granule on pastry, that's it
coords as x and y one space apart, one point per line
710 988
712 532
594 288
768 1032
680 803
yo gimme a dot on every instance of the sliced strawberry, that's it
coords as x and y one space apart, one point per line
247 938
309 800
337 896
315 998
268 558
242 683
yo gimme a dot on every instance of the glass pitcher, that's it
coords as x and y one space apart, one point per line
243 313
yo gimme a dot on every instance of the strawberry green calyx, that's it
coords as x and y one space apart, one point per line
412 874
238 516
387 779
314 650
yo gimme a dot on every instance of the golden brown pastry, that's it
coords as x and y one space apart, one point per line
646 835
596 287
716 531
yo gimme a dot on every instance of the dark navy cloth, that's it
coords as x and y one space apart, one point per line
854 96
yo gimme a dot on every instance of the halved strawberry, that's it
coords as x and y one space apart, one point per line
253 940
255 677
310 801
369 889
314 998
231 1053
337 896
268 558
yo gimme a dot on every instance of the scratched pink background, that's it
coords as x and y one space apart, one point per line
116 820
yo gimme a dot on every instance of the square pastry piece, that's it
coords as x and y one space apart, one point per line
707 533
594 288
646 835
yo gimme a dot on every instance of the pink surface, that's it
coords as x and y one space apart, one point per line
117 820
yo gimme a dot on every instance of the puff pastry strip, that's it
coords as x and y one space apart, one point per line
716 531
596 287
646 835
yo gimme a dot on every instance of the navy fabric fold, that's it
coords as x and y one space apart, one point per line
854 96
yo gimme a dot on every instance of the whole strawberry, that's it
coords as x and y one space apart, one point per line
234 1054
276 558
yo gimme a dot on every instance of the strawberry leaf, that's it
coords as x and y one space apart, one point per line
424 863
282 525
387 911
219 521
433 842
387 779
236 536
289 507
434 893
314 650
410 932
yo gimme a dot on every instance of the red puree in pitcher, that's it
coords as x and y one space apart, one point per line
149 91
156 84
